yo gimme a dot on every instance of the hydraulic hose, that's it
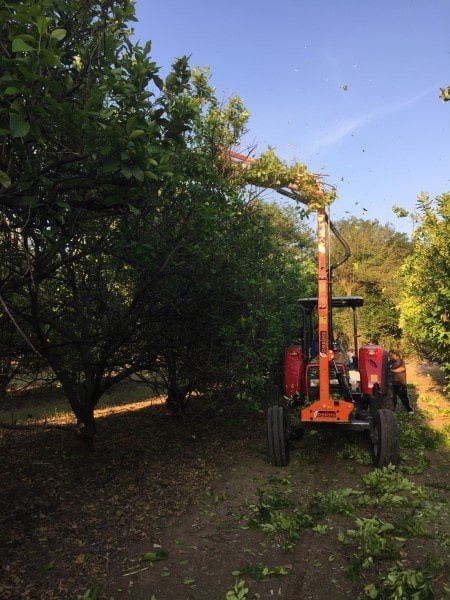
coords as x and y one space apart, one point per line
345 245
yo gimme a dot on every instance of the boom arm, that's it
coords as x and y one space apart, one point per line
291 190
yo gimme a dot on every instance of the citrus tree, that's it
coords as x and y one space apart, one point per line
78 120
130 247
374 272
425 306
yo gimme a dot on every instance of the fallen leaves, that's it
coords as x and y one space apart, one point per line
69 520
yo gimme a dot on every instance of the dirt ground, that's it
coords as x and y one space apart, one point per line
160 509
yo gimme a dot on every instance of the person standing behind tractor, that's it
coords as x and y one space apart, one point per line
351 358
398 378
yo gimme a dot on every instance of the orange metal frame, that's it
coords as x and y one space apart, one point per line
326 409
323 307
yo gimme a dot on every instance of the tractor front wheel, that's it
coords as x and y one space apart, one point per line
278 427
385 438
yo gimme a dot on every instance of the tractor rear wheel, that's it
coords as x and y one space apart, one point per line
278 427
385 438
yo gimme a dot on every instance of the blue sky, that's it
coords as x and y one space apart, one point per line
349 87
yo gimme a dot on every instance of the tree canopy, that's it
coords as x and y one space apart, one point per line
81 116
425 306
128 247
372 271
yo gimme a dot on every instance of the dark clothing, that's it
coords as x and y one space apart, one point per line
399 389
351 359
400 377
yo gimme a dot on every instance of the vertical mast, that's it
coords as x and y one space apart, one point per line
323 306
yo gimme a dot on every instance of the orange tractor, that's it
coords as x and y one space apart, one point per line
334 391
326 389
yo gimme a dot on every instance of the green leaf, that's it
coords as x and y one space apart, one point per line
150 175
130 125
42 23
138 174
19 45
68 81
136 133
171 80
11 90
134 210
28 201
45 568
91 594
158 82
126 172
18 127
371 590
5 179
58 34
155 556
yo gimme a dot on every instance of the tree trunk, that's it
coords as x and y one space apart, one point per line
86 422
82 399
5 375
176 394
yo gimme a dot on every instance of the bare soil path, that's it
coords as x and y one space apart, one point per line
163 507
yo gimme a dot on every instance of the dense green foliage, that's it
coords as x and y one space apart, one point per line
77 117
425 306
372 271
127 246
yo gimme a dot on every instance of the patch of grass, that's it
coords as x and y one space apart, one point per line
35 413
445 434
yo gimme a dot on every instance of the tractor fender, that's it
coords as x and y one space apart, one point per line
293 371
374 369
